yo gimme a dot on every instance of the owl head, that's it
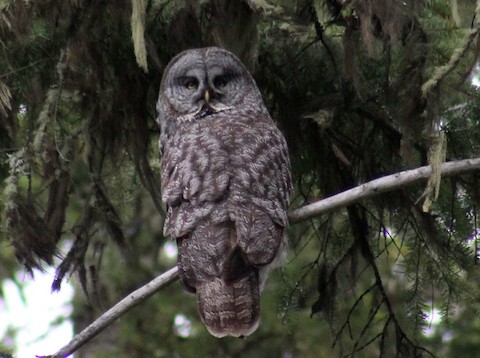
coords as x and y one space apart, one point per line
202 82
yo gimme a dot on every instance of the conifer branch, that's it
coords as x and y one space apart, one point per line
343 199
441 72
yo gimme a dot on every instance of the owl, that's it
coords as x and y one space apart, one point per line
226 184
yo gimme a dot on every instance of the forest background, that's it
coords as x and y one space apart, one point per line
360 88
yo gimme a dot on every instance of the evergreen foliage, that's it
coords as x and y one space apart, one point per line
360 88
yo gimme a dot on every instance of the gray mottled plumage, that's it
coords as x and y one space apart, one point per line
226 184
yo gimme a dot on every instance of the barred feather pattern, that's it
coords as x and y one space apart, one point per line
226 184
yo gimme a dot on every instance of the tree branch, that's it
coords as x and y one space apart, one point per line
346 198
125 305
379 186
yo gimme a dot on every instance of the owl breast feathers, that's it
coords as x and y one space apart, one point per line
226 184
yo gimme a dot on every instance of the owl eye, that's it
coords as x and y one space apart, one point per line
222 80
191 84
219 81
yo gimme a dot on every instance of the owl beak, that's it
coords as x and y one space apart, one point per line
207 96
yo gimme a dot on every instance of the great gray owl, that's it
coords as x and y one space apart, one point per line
226 184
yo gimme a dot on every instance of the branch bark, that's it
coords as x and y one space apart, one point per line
343 199
379 186
125 305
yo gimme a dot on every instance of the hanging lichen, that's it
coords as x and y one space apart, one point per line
138 33
436 157
5 97
430 90
441 72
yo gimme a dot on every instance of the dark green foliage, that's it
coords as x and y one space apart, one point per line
361 89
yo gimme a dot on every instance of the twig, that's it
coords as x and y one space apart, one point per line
350 313
115 312
20 69
348 197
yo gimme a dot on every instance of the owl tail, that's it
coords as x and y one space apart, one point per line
230 308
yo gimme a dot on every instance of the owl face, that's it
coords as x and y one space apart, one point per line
201 82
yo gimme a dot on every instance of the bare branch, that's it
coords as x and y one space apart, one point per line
348 197
379 186
115 312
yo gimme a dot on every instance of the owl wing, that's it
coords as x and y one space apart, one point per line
260 191
194 178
